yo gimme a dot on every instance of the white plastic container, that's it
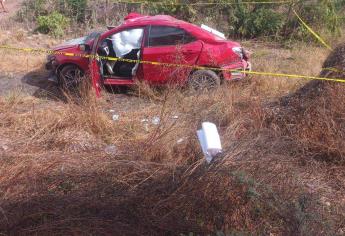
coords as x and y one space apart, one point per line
209 140
202 142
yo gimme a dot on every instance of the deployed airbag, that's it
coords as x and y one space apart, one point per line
125 41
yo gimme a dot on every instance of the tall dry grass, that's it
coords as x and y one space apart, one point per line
297 58
153 183
69 168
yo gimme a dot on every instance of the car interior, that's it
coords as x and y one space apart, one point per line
124 45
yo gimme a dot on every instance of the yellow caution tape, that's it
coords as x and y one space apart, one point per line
334 70
312 31
52 52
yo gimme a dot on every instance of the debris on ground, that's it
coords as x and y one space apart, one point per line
209 140
110 149
115 117
156 120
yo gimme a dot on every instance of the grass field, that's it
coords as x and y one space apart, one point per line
66 167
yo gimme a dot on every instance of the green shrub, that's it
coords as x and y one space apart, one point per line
264 22
54 23
32 10
171 8
256 20
236 20
250 22
323 16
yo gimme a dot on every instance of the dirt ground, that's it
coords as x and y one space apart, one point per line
11 6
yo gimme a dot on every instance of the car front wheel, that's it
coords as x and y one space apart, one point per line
203 80
70 76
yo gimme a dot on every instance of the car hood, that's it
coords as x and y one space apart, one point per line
70 44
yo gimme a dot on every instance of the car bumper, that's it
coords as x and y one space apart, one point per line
51 66
237 70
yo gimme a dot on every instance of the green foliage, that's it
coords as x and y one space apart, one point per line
52 16
326 15
250 22
257 20
236 20
171 8
54 24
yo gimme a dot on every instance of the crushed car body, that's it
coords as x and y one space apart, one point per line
204 55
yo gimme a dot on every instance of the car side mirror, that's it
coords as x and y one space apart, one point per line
84 47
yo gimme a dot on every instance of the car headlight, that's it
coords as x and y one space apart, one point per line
238 51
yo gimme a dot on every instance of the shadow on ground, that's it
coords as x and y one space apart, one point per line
48 89
45 88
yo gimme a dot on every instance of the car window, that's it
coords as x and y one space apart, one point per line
167 35
188 38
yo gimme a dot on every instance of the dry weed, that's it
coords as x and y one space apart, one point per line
56 176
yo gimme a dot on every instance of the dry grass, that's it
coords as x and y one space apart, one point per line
153 184
299 59
68 168
19 62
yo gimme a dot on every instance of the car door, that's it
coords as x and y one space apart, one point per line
171 45
94 67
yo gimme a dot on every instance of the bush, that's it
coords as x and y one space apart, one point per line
236 20
256 22
32 10
172 8
54 24
324 16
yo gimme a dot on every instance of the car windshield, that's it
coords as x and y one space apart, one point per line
91 36
83 40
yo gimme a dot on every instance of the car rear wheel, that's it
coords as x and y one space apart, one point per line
203 80
70 77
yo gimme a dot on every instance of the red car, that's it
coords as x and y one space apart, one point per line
159 38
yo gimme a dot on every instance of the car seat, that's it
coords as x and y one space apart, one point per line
109 65
127 69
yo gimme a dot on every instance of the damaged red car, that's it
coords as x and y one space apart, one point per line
204 55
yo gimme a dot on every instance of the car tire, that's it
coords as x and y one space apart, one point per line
70 77
203 80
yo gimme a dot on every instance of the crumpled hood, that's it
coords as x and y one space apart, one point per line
70 44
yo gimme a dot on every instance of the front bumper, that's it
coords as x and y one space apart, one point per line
236 70
51 66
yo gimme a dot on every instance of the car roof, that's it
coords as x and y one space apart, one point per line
141 20
152 19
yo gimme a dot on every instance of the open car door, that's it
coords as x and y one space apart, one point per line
95 68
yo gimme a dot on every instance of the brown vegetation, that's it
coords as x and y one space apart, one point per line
67 168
